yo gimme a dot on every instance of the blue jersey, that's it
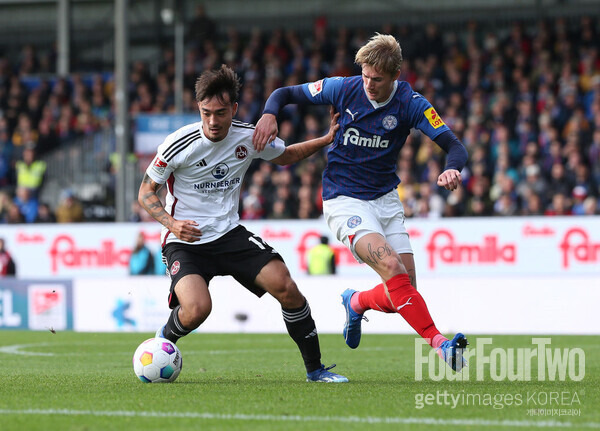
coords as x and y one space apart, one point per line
361 162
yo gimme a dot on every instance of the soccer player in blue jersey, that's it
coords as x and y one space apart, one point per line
360 201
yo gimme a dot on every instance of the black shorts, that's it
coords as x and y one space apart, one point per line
238 253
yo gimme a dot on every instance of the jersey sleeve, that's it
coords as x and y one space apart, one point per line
424 117
161 167
273 150
324 91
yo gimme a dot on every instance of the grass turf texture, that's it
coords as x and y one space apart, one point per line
257 382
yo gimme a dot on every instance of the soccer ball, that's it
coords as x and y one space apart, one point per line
157 360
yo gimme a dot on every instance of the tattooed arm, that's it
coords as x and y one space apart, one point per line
185 230
296 152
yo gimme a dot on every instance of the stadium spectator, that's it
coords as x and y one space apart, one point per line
252 204
47 139
135 212
591 206
7 264
320 259
363 210
30 170
24 133
201 29
280 211
27 203
69 210
560 205
45 214
6 156
5 202
579 195
531 204
160 268
141 261
513 93
13 214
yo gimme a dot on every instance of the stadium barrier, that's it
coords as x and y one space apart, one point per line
494 275
486 247
476 305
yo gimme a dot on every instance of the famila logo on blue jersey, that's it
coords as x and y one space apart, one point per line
354 221
352 136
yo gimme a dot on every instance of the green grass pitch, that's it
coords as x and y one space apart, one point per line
85 381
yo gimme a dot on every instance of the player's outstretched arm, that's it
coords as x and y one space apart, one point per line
296 152
148 198
449 179
266 129
456 158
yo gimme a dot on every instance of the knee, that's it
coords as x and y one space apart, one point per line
288 294
393 266
193 315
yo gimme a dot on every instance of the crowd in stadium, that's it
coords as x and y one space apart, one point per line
523 98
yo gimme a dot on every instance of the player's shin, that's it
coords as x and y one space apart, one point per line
301 327
174 329
411 306
374 299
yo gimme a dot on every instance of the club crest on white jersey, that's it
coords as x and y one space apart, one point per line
241 152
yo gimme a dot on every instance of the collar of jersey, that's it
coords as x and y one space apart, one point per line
379 105
203 136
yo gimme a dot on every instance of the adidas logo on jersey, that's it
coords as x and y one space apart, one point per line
201 163
352 136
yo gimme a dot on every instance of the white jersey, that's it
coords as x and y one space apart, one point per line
204 178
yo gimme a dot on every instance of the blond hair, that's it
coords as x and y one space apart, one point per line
382 52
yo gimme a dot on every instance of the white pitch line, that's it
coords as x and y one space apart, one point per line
15 349
297 418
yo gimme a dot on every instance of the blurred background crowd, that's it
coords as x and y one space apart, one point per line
524 98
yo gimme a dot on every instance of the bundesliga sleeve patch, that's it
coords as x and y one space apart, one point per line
315 87
159 165
434 118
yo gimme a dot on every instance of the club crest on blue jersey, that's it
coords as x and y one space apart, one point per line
354 221
220 171
389 122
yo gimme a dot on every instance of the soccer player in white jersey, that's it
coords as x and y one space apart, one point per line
203 165
361 204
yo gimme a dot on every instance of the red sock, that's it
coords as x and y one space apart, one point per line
409 303
374 299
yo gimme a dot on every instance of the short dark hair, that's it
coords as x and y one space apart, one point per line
217 82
